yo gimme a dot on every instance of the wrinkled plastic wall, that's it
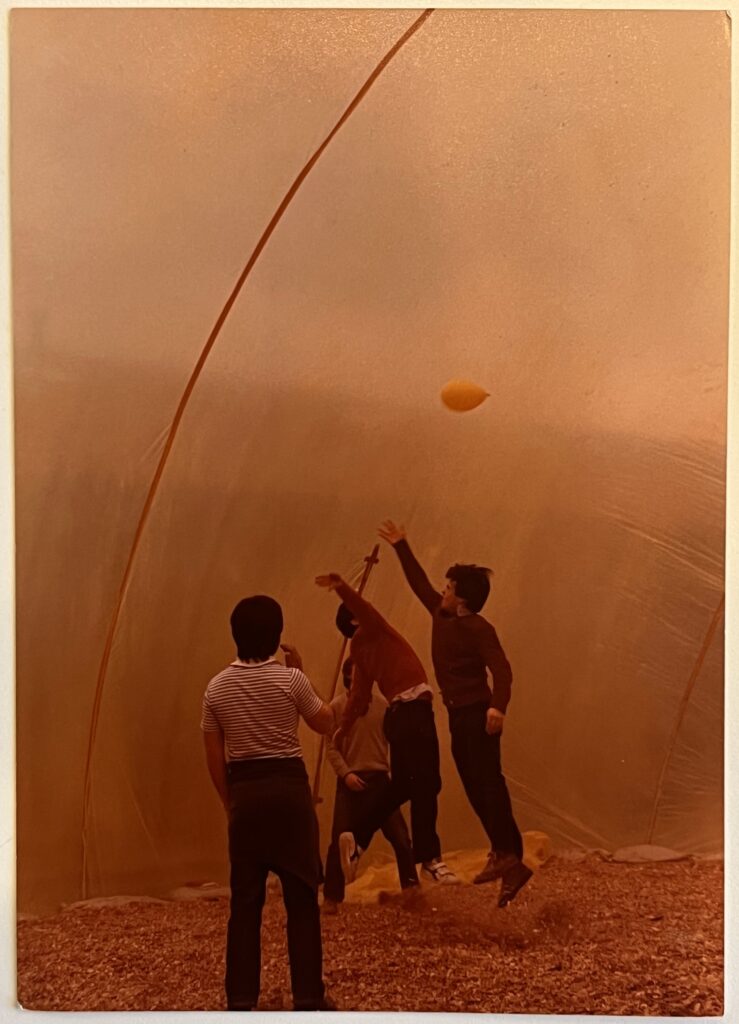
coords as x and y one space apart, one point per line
535 200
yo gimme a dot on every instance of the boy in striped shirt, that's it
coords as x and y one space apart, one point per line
250 720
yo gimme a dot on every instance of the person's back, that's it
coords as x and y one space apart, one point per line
258 706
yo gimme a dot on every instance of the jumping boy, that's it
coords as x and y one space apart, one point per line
463 647
380 654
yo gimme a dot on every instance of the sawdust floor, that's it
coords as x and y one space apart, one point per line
582 937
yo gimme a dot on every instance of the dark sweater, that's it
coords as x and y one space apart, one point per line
462 646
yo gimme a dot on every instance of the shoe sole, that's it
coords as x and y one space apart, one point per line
495 873
511 894
347 846
488 878
440 881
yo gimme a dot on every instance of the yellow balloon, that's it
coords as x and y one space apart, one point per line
463 395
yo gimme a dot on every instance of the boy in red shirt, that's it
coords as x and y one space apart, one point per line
380 654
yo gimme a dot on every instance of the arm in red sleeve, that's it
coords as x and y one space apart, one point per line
493 654
358 701
417 578
366 615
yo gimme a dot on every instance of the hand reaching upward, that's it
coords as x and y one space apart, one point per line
391 533
330 581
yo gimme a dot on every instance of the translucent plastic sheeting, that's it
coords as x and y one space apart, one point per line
536 200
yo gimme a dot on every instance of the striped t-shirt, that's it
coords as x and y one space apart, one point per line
257 706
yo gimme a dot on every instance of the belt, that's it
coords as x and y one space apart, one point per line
426 698
264 767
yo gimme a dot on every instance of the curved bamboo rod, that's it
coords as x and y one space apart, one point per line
172 433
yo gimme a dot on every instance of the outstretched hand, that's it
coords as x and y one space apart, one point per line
330 581
391 533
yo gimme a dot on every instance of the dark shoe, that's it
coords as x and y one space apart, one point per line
513 881
326 1003
240 1007
495 868
329 906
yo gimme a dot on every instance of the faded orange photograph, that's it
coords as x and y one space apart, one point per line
370 398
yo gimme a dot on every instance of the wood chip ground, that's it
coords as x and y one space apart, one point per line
586 937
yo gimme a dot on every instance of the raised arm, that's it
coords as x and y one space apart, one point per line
360 693
316 714
417 578
366 614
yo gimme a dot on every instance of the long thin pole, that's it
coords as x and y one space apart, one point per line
179 413
369 561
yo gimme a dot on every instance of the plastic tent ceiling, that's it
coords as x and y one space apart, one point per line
535 200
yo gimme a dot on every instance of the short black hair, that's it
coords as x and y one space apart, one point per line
256 626
471 584
345 622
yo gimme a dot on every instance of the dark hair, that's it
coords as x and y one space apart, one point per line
256 626
471 584
345 623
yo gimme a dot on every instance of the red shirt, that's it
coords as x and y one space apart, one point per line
380 654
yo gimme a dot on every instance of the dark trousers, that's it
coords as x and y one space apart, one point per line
477 757
415 776
272 827
350 808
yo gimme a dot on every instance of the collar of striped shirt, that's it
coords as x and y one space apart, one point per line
254 664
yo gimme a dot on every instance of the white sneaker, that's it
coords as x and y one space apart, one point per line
349 854
438 871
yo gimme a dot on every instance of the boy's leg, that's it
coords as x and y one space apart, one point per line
477 757
414 764
488 779
243 946
380 804
500 799
333 887
303 941
396 832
